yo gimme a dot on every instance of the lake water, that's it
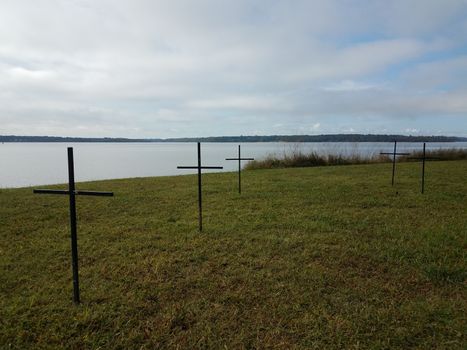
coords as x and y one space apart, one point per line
27 164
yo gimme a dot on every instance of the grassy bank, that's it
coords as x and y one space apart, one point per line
298 159
328 258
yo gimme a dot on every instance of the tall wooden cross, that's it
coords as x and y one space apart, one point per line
394 154
424 158
199 167
72 193
239 168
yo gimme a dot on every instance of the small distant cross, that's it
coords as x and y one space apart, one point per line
394 154
239 168
199 167
424 158
72 193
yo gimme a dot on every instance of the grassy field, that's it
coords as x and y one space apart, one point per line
325 258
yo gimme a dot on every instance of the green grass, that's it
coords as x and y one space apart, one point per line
305 258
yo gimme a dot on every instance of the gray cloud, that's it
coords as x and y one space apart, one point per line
185 68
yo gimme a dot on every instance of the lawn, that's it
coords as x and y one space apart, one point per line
325 257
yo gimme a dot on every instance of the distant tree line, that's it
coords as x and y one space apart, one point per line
323 138
13 138
272 138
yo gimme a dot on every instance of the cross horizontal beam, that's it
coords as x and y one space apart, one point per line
395 154
80 193
51 191
200 167
94 193
239 158
426 158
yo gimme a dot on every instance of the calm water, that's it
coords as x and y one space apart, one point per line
27 164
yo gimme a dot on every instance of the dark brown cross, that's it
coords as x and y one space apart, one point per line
72 193
424 158
239 168
394 154
199 167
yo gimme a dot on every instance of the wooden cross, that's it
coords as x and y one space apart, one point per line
239 168
72 193
199 167
423 159
394 155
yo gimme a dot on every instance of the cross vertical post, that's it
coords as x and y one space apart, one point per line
394 154
423 167
199 167
239 168
72 193
73 229
200 192
394 163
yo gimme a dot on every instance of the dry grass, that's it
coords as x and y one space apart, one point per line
296 158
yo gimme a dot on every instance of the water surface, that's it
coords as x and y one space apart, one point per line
27 164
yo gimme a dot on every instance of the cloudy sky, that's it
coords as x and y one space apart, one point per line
148 68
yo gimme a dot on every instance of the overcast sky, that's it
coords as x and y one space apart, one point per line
172 68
